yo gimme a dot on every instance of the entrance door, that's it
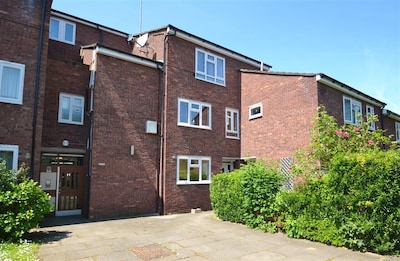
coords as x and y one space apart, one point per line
228 166
65 175
70 190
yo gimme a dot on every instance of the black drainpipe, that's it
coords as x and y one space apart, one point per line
37 86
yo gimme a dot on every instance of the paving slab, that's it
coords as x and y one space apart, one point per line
190 237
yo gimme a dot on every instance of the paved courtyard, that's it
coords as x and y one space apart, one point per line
198 236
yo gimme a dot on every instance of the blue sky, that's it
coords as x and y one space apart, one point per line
357 42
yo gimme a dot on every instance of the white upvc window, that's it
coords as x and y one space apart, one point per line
370 111
397 130
9 154
193 170
351 111
11 82
71 109
194 114
255 111
231 123
62 30
210 67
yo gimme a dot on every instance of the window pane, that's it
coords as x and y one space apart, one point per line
10 82
69 32
210 69
356 110
54 28
255 111
205 170
205 115
8 157
183 112
200 62
195 118
77 114
183 169
77 102
235 121
65 103
220 68
194 174
347 110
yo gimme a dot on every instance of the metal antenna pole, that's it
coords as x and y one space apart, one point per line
140 17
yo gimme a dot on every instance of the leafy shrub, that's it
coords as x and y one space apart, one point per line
247 195
22 203
227 196
356 204
260 186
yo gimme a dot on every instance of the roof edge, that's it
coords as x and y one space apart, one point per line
331 82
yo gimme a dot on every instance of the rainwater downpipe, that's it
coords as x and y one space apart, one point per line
170 32
90 136
37 87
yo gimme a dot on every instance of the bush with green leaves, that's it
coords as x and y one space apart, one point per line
356 204
226 193
247 195
260 185
328 139
350 190
22 203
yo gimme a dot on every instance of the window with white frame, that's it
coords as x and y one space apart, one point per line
193 170
351 111
255 111
397 130
9 154
231 123
210 67
370 112
11 82
194 114
71 109
62 30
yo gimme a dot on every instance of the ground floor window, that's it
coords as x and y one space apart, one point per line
193 170
9 154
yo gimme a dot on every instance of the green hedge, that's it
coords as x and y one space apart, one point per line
356 204
247 195
22 203
226 193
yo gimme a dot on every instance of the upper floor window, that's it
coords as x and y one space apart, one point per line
11 82
62 30
371 111
352 111
397 129
193 170
71 109
231 123
210 67
194 114
255 111
9 154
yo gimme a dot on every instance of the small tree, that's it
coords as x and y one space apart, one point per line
22 203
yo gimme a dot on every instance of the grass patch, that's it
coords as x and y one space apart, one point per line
19 251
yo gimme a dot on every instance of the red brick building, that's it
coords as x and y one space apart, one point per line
114 124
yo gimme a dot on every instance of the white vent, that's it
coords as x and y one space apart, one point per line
151 127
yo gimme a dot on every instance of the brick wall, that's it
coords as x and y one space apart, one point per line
20 24
126 95
289 103
333 101
193 141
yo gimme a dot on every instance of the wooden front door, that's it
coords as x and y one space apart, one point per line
71 190
63 177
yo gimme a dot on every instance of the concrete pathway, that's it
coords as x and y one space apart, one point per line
198 236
